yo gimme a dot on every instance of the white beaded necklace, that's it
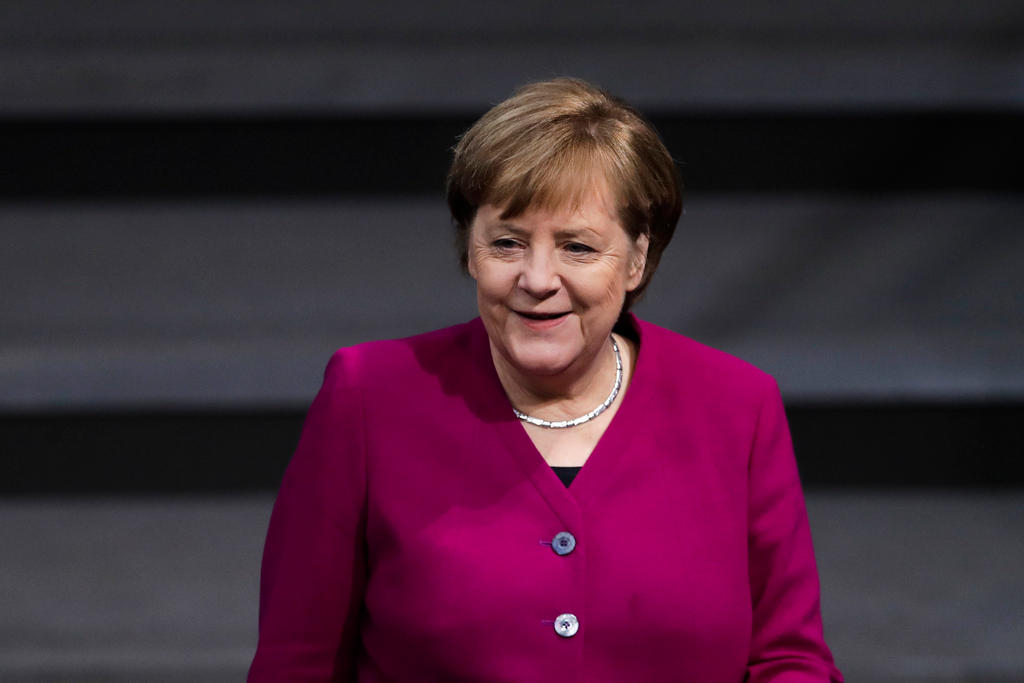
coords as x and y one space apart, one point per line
562 424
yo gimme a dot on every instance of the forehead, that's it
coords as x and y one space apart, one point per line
594 212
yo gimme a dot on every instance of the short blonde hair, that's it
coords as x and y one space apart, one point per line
548 146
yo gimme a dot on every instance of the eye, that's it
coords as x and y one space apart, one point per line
578 248
505 243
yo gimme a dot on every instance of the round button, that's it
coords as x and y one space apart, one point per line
566 625
563 543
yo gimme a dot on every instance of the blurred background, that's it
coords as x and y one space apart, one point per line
201 201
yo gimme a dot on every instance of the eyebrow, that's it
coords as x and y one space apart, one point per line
562 234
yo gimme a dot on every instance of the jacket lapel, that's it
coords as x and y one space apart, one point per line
502 432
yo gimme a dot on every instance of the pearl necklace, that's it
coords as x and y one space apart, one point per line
562 424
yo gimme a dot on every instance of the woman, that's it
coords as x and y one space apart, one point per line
555 490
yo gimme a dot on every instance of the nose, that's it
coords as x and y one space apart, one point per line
539 277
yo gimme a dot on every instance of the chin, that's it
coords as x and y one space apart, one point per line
542 360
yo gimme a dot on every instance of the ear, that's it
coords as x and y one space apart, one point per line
638 262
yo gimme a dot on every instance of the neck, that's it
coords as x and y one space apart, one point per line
567 395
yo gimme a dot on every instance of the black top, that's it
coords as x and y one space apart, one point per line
566 474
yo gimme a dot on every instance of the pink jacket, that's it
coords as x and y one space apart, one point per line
413 538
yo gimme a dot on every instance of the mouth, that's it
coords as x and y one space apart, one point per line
542 316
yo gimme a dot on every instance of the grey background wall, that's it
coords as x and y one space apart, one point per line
200 201
877 277
190 56
240 303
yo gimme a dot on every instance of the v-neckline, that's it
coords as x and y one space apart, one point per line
596 473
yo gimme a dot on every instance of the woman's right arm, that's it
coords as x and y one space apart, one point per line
314 561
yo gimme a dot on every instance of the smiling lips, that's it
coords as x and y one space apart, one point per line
542 316
542 321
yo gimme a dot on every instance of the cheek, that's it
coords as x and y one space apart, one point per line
603 288
613 297
492 279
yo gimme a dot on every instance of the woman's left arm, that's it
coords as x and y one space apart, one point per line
787 643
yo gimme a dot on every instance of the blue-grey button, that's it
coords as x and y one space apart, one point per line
566 625
563 543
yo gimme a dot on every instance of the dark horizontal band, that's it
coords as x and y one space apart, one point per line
841 445
319 155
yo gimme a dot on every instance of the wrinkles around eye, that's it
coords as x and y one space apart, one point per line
579 249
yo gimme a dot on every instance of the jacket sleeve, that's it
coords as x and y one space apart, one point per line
314 560
787 643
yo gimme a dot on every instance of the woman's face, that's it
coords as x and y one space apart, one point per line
550 285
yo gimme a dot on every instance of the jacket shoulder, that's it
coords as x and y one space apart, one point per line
382 363
700 367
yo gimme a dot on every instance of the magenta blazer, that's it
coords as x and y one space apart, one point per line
414 536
